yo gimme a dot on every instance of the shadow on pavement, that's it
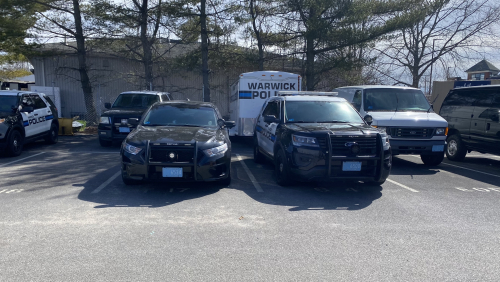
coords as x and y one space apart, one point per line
147 194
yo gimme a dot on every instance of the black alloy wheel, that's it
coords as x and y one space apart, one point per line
281 169
15 145
258 157
432 160
53 135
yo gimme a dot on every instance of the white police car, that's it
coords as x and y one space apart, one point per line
24 117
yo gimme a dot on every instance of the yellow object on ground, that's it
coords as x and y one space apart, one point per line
65 126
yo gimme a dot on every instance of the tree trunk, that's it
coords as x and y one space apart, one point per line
310 62
82 64
204 51
260 45
146 47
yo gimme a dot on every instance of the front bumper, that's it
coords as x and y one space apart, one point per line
111 133
419 147
319 165
200 169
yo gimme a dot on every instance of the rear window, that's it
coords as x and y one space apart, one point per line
135 100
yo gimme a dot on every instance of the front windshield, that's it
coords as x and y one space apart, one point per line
7 103
180 115
135 101
395 100
321 111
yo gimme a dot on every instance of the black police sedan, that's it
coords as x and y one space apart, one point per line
178 141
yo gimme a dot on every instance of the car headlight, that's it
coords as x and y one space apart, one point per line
381 128
298 140
131 149
2 120
442 131
105 120
216 151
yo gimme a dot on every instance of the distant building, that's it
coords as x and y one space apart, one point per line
18 83
481 71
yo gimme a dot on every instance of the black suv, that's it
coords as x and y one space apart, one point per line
24 117
113 124
312 137
473 119
178 141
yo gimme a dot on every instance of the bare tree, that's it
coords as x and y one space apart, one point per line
452 32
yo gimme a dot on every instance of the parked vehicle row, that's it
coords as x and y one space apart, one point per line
24 117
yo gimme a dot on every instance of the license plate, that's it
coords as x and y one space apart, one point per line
124 129
351 166
437 148
172 172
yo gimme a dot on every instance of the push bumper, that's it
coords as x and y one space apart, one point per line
201 169
424 147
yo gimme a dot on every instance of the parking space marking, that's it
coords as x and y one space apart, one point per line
98 189
8 191
21 159
401 185
250 175
488 189
472 170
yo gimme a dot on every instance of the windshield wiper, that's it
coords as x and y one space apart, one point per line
298 121
332 121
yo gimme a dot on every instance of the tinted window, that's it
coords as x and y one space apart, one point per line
39 103
7 103
356 100
180 115
391 100
26 101
135 101
272 109
320 111
459 98
164 97
496 99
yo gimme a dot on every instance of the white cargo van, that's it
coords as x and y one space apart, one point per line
407 117
249 93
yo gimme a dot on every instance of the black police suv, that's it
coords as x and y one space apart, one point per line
178 141
313 137
473 119
113 124
25 117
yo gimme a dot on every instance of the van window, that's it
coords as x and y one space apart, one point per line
461 97
394 99
356 100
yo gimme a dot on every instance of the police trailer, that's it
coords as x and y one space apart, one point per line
249 93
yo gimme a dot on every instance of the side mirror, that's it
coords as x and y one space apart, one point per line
27 109
133 121
368 119
230 124
270 119
107 105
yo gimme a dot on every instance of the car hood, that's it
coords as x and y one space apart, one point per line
416 119
124 112
175 135
332 128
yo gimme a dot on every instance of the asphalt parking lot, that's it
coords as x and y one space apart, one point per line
67 216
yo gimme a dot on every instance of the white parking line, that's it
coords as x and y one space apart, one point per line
22 159
472 170
250 175
98 189
401 185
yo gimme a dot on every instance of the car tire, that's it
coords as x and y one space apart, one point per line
455 148
432 160
53 135
15 144
226 181
258 157
105 143
281 169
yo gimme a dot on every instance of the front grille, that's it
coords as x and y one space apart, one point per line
117 124
367 145
161 154
411 132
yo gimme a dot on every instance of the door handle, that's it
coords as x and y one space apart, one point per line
472 115
35 114
488 126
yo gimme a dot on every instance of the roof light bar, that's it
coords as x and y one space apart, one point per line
306 93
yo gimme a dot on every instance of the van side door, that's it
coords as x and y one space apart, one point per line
492 122
458 110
